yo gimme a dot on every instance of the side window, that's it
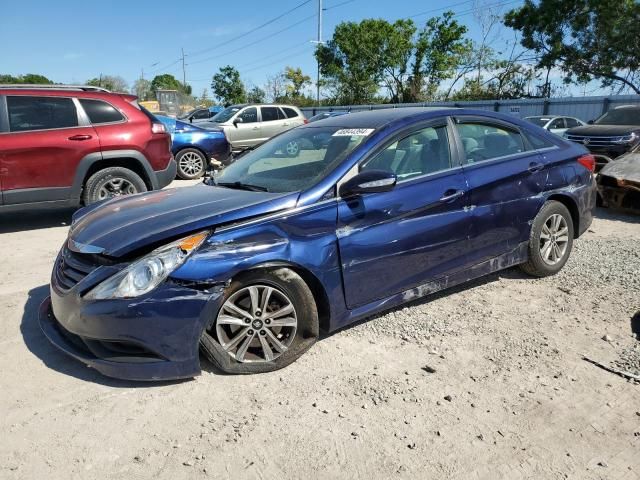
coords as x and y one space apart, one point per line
200 114
557 123
269 114
485 142
538 142
571 122
425 151
249 115
40 113
281 115
100 112
290 112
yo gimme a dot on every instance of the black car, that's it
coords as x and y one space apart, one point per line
613 134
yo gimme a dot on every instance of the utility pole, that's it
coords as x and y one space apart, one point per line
319 43
184 74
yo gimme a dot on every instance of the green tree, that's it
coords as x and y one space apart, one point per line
439 50
256 95
227 86
297 81
204 99
169 82
587 39
353 61
113 83
29 78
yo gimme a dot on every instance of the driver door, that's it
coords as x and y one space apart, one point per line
246 132
414 234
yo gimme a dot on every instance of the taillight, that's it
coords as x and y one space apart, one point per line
588 162
158 128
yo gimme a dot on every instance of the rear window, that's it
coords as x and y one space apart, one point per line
290 112
100 112
538 142
28 113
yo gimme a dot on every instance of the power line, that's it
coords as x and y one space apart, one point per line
291 55
244 34
433 10
255 42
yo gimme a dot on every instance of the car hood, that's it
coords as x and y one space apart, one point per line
603 130
123 225
626 167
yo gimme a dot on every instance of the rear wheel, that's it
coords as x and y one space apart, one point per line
192 163
268 320
112 182
550 241
292 148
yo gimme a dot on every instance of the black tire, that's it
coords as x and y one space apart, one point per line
537 265
293 286
102 181
192 164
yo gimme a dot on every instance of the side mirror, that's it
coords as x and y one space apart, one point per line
191 119
237 120
369 181
591 122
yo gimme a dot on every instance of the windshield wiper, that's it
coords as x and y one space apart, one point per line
243 186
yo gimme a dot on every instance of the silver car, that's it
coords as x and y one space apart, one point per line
249 125
555 123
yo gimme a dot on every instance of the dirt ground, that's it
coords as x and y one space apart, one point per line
485 381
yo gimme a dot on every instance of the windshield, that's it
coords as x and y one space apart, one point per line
620 116
540 121
293 161
226 114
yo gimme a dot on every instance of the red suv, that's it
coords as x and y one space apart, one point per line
69 146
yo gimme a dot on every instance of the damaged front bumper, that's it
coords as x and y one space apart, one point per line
150 338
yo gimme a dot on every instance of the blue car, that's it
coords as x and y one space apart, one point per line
252 266
196 148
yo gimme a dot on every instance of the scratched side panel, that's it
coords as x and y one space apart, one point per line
306 238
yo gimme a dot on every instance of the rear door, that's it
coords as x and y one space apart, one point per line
414 234
45 142
505 179
271 121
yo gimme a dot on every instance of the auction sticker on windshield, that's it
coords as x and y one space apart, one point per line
354 132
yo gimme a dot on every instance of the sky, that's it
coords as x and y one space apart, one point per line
73 41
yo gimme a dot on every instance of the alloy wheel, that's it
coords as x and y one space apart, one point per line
191 163
256 324
116 187
554 239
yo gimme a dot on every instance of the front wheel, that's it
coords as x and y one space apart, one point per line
268 319
550 241
292 148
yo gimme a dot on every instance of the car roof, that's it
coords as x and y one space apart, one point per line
242 105
64 92
379 118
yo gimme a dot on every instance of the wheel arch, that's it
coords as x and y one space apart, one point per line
313 282
130 159
572 206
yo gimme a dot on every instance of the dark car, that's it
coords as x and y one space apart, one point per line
613 134
68 146
195 148
202 114
254 265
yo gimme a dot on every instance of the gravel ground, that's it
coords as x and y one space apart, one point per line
482 381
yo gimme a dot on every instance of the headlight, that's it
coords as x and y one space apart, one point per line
147 273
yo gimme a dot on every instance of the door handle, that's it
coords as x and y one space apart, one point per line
255 128
80 138
451 195
535 167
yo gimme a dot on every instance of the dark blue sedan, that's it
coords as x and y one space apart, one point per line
251 267
195 148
